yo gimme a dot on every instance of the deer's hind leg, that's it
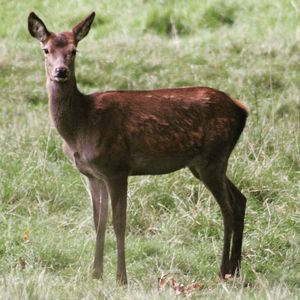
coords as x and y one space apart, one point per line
239 207
214 179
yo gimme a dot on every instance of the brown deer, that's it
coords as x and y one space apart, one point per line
115 134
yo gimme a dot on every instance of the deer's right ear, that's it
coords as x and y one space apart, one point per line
37 28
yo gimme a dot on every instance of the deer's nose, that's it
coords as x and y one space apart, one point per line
61 72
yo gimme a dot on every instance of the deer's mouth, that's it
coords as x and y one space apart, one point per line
60 78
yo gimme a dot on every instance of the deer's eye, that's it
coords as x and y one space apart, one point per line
46 51
74 51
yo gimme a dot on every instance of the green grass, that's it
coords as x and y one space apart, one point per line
249 49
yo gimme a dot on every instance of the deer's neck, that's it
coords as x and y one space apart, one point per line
67 109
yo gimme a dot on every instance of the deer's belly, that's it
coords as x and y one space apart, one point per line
102 166
156 166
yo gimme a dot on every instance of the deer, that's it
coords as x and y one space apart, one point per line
112 135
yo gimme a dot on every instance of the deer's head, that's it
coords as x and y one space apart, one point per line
59 48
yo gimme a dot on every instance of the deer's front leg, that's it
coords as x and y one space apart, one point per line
99 195
118 194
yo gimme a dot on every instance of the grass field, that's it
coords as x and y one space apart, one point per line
249 49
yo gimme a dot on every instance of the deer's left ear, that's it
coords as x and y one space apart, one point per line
83 28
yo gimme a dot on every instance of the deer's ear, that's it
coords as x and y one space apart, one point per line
37 28
83 28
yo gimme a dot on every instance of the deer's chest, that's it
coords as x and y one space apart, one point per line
94 160
83 161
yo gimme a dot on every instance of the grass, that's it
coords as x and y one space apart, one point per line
247 48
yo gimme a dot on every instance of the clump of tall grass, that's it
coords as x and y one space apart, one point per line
167 21
218 14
